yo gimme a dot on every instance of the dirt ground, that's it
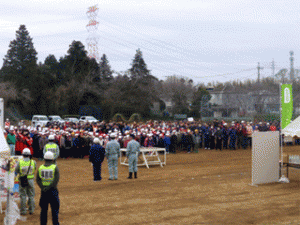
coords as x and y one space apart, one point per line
209 187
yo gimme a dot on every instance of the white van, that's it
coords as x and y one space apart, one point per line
41 120
56 119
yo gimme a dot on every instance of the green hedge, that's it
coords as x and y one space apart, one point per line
135 117
118 117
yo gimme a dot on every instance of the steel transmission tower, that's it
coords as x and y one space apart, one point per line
92 28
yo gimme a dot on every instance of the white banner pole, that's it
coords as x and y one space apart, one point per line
2 113
282 178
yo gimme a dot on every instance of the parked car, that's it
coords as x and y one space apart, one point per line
39 120
71 119
55 118
89 119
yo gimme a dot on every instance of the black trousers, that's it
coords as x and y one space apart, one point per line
49 197
97 171
219 143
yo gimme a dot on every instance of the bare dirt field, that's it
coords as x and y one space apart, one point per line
209 187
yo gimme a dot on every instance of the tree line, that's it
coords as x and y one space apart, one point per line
61 86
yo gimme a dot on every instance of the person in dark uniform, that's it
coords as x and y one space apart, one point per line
233 136
97 153
219 138
225 136
173 142
207 133
47 178
239 137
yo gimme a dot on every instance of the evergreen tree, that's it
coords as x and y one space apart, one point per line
75 64
105 70
141 92
200 101
20 62
139 67
51 62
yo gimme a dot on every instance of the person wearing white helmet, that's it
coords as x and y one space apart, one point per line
96 157
52 147
112 152
11 140
47 178
26 167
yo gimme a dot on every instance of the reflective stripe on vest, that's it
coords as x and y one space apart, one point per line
51 148
46 173
24 165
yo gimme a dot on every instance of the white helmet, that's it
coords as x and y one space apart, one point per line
96 140
51 137
26 151
113 135
49 155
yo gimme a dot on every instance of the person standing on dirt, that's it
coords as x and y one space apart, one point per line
212 137
239 136
233 136
249 130
112 152
11 141
197 140
26 167
133 149
225 136
219 138
42 142
167 142
173 142
189 143
96 157
47 178
207 133
52 147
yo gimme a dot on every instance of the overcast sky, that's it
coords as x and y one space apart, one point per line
213 40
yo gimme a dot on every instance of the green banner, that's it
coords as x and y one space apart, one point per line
286 104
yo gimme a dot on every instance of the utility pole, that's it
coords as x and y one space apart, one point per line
273 68
292 71
258 72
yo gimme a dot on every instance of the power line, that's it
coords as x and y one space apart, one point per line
226 74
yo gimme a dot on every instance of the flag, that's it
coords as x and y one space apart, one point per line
286 105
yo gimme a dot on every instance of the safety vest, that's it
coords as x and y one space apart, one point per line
52 148
46 173
24 165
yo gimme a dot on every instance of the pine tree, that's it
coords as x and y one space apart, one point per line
75 64
139 67
105 70
20 62
141 91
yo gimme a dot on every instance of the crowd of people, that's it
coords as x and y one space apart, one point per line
104 139
75 139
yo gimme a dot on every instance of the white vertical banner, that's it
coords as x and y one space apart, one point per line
265 157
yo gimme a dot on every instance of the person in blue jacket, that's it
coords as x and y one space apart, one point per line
167 142
97 153
207 134
233 136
